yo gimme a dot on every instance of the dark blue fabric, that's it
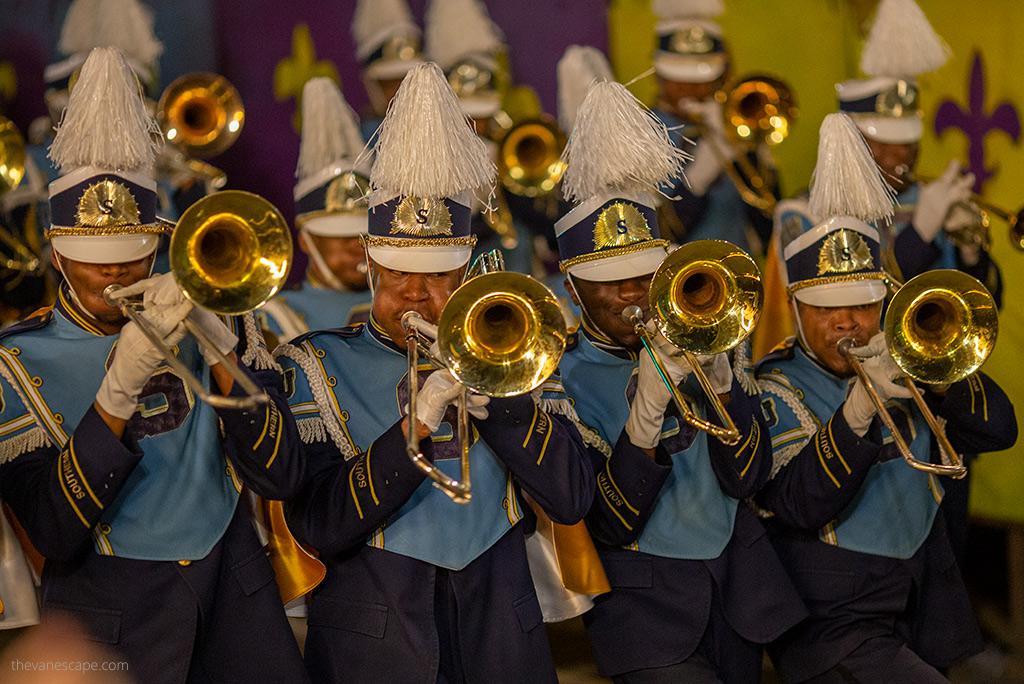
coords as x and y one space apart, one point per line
64 205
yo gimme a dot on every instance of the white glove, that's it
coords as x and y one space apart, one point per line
437 392
135 359
859 409
718 369
652 395
160 291
213 326
937 197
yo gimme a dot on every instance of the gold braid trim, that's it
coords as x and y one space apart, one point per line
109 230
834 279
381 241
564 266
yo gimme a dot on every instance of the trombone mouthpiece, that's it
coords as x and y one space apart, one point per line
633 314
110 294
844 345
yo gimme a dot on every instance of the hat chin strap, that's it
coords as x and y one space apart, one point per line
326 275
55 255
583 307
795 308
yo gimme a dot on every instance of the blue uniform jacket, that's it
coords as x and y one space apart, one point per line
220 614
381 616
854 596
659 607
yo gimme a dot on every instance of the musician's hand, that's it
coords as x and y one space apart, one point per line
718 370
135 359
437 392
652 395
859 409
937 197
214 328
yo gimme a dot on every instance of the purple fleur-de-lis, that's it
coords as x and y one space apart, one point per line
976 124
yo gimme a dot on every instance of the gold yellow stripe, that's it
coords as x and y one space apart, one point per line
12 426
544 446
821 457
266 424
352 488
78 469
77 317
533 421
612 506
277 443
836 447
71 501
624 500
753 450
369 479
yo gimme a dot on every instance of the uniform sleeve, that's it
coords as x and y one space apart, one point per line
58 495
545 453
979 416
817 470
742 468
263 443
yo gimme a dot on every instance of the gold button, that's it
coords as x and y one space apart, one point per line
184 563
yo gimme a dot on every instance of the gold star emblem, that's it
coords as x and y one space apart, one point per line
620 224
421 217
107 203
844 251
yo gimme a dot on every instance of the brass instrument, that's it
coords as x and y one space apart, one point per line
230 253
706 298
758 109
201 116
530 158
939 327
500 334
12 169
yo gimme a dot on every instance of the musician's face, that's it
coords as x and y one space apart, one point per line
896 161
603 303
397 292
89 281
344 256
823 327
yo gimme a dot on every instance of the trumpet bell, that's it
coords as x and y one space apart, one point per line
502 334
758 108
941 326
529 158
706 296
201 114
12 156
231 251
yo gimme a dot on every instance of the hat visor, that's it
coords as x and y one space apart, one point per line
105 249
420 259
893 130
386 69
620 267
688 69
850 293
335 225
480 106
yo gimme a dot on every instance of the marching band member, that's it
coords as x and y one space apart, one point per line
330 216
859 530
123 482
695 586
419 588
692 64
388 46
886 109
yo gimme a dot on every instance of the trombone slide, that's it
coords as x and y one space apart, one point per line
956 470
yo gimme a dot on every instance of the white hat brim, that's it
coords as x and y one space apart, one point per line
687 68
893 130
105 249
849 293
337 225
421 259
620 267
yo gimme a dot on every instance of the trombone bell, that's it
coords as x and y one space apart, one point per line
529 158
231 252
201 114
12 156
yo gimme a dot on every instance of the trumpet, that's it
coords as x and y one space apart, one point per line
500 334
705 297
940 327
201 115
230 253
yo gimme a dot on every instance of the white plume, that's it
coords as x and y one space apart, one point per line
578 68
456 29
680 9
106 123
846 180
376 21
426 146
901 42
617 144
125 24
330 129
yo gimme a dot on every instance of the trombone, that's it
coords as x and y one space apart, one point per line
230 252
940 327
706 297
757 109
500 334
12 169
201 115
